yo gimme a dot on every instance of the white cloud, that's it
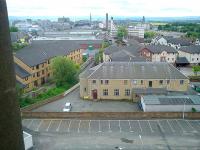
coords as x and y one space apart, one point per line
100 7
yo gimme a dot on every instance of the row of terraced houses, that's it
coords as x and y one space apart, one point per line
33 63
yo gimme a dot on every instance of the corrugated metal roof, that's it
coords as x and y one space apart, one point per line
171 100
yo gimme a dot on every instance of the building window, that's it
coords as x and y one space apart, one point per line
42 71
197 58
48 74
35 83
26 78
48 62
33 68
161 82
101 81
192 59
105 92
168 81
34 75
127 92
85 89
141 82
38 74
94 81
37 67
106 81
116 92
134 81
42 65
27 86
181 82
125 82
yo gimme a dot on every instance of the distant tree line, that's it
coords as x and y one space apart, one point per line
192 30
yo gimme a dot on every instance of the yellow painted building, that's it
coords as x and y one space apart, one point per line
129 80
33 63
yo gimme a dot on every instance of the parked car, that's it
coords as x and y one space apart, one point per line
67 107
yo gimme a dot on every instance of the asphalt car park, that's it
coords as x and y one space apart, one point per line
146 127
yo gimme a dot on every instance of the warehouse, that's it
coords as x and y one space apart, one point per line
162 103
130 80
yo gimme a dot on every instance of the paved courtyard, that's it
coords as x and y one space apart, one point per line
80 105
111 134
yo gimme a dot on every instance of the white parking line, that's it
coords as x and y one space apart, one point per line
120 130
99 127
68 129
170 126
109 126
79 126
191 126
89 126
59 126
47 129
141 141
140 126
180 126
130 129
37 129
160 126
29 124
150 126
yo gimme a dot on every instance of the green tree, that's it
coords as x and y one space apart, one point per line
149 34
121 32
96 59
13 29
18 46
196 69
64 71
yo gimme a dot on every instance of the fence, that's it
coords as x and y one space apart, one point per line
110 115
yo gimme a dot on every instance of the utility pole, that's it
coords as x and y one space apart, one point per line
11 137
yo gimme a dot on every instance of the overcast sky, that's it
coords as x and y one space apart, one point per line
153 8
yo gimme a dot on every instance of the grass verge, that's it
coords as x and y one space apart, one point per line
26 101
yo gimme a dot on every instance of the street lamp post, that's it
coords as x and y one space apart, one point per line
184 109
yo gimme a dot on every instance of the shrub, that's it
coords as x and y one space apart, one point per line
193 109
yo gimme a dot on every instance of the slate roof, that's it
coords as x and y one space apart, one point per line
133 48
171 100
20 71
134 70
89 41
126 56
193 49
161 48
21 85
177 41
112 49
41 50
182 60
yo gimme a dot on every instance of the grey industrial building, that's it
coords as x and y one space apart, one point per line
162 103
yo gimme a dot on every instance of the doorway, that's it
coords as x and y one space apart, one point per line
150 83
94 94
42 80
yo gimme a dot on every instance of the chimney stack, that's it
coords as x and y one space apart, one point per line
106 21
